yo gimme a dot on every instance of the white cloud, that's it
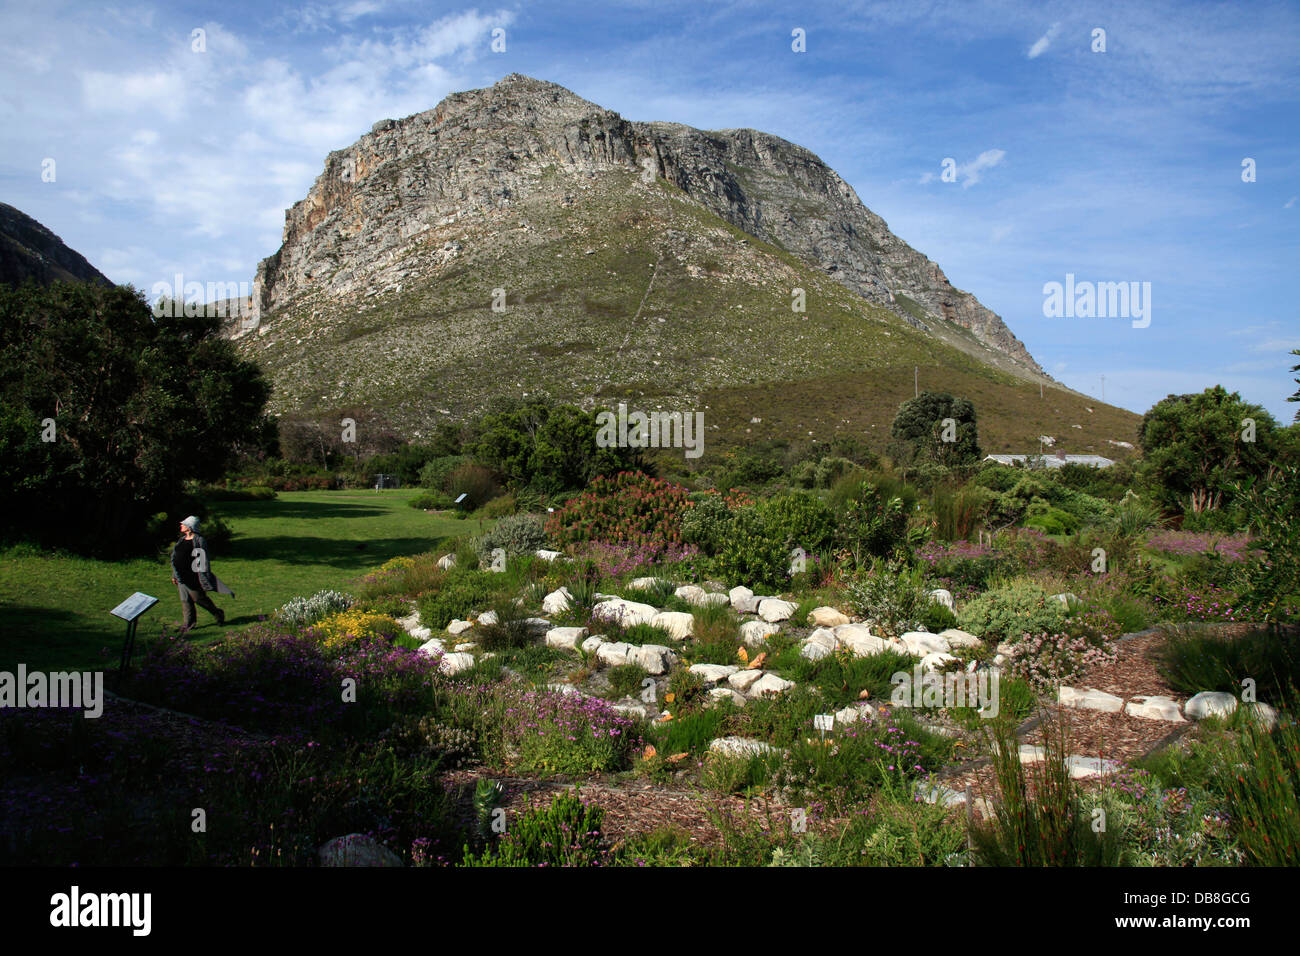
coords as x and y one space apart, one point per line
969 173
1043 42
1291 202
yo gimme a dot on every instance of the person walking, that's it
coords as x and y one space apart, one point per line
193 576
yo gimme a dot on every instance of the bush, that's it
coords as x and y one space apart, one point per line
936 617
500 507
707 523
750 556
516 534
302 611
355 626
872 524
1195 657
475 481
1010 612
891 596
431 501
628 508
567 833
461 594
406 576
799 521
510 630
436 474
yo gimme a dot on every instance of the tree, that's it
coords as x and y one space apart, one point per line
936 427
109 410
546 446
1296 396
1196 446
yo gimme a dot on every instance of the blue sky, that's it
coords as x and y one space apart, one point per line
1123 165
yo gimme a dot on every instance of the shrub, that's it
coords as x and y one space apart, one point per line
891 596
1008 612
1051 520
301 611
627 508
625 679
509 631
799 521
567 833
460 595
406 575
475 481
707 523
936 617
431 501
500 507
566 733
516 535
436 473
872 525
750 556
413 735
1194 658
355 627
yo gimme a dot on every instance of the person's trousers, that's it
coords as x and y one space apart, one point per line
191 597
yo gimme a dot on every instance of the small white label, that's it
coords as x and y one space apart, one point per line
823 721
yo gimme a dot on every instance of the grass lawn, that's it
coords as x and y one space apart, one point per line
54 608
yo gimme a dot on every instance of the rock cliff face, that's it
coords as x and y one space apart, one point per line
480 153
29 250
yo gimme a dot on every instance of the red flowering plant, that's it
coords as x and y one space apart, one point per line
627 508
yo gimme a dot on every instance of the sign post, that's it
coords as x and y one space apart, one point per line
130 611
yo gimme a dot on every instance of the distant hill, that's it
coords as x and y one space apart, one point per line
29 250
521 240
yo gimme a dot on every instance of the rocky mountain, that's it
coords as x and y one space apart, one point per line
29 250
520 239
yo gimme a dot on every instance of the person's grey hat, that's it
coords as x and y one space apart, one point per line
191 522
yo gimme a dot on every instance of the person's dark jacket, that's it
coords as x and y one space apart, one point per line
183 564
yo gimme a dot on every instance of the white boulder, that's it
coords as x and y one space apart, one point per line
1155 708
755 633
920 643
455 663
626 613
959 638
1089 699
447 561
775 609
565 638
557 601
616 653
459 627
942 596
1083 767
1210 703
655 658
591 644
678 624
740 747
769 683
935 661
744 680
741 599
712 673
827 617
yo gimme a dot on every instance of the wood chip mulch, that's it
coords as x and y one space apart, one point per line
631 807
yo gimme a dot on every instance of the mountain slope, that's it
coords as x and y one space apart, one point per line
644 261
29 250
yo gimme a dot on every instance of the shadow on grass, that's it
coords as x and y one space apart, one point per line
290 510
346 554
